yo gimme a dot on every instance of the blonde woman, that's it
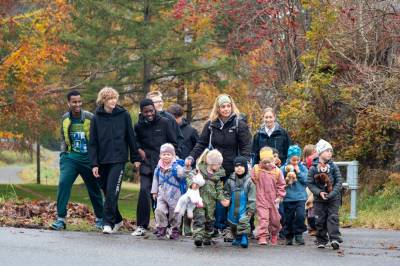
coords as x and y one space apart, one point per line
272 135
112 139
229 134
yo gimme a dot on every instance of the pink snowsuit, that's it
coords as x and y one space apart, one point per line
269 186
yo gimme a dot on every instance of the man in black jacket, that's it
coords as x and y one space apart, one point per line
111 135
152 131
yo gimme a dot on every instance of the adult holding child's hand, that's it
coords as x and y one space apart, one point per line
228 133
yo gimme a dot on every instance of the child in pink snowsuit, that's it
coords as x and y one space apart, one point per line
270 190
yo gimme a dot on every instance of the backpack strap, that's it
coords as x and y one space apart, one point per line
276 173
210 146
165 179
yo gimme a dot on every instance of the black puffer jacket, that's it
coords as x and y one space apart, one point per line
231 139
190 137
149 137
279 140
111 134
177 130
334 176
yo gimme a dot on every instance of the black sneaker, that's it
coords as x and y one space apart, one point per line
299 239
289 242
320 244
335 244
215 233
198 242
207 242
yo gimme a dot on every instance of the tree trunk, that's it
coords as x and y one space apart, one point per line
181 97
146 63
38 162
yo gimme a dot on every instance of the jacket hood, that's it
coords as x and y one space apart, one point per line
116 111
219 124
278 129
142 119
184 123
216 176
316 161
234 177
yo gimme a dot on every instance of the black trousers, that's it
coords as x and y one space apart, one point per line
295 215
327 220
145 201
110 182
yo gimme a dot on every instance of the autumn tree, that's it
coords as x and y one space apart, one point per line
31 57
133 46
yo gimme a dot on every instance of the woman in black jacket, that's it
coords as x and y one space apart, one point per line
229 134
111 136
271 134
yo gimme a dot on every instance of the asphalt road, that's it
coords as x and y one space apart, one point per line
9 175
42 247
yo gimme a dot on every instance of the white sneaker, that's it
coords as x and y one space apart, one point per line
117 226
168 233
140 231
107 229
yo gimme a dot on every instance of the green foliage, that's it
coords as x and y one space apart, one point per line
14 157
307 103
131 45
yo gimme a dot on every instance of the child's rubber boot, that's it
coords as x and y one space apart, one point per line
198 242
174 234
161 232
262 240
274 240
245 241
236 241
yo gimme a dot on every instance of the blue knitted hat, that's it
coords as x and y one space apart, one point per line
293 150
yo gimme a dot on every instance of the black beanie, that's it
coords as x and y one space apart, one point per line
241 161
145 102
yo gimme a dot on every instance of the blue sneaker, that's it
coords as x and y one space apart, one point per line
245 241
58 225
236 241
99 223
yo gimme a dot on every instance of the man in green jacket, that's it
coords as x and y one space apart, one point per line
74 161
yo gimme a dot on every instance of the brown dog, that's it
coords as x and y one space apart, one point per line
323 179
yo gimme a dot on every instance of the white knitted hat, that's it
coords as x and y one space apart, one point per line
167 147
214 157
322 146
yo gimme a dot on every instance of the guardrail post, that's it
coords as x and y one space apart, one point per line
352 184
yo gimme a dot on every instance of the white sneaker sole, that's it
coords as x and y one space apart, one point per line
107 231
117 227
141 233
